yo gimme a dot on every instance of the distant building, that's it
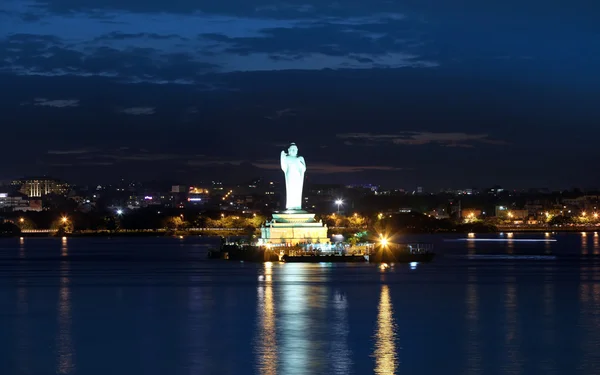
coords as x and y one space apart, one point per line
179 189
10 202
198 196
38 187
32 205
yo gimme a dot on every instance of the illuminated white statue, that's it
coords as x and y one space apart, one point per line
293 167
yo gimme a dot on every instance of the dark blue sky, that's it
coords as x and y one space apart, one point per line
404 93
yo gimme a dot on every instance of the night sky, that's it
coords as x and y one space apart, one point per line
429 93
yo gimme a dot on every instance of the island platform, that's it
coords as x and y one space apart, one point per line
390 253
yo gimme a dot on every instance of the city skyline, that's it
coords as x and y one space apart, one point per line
412 94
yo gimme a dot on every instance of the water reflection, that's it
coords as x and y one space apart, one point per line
589 296
510 244
295 325
198 316
513 360
596 244
549 364
341 356
64 251
471 247
267 341
473 344
23 332
584 245
386 358
547 245
65 350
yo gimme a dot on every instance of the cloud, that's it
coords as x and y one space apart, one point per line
279 114
138 111
140 156
60 103
414 138
92 156
204 161
78 151
82 164
170 46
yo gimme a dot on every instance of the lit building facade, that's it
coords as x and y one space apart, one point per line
38 187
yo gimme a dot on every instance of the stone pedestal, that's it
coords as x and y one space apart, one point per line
293 228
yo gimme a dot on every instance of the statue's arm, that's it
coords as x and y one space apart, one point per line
302 163
283 161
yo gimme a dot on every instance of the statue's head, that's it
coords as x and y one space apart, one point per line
293 150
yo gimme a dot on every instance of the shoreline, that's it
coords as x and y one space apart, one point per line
238 233
502 229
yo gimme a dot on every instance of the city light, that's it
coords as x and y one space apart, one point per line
383 241
64 219
339 202
119 212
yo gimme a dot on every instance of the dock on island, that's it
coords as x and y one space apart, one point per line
390 253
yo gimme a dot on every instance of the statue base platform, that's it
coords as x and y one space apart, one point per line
293 227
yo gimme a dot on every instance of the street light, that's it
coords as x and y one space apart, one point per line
383 241
119 212
64 219
339 202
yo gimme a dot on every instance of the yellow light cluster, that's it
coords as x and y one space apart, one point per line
227 194
196 190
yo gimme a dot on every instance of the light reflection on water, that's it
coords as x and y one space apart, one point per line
549 338
589 298
386 358
341 355
473 334
299 319
584 242
65 349
196 317
266 346
513 363
23 330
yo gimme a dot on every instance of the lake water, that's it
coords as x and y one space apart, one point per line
157 306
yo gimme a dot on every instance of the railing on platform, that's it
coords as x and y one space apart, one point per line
39 231
159 230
